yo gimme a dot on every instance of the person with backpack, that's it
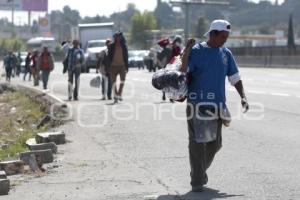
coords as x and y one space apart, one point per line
75 60
46 64
9 64
208 64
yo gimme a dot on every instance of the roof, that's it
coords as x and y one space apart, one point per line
95 25
38 39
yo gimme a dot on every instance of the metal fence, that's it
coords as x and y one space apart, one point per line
266 51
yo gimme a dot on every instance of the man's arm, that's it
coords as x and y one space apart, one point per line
185 55
240 89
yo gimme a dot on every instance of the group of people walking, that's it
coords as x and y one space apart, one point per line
38 65
206 64
12 65
112 62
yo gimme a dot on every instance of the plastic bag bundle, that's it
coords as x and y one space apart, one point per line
95 82
171 81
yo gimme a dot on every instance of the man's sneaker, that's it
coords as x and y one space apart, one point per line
103 98
120 98
198 188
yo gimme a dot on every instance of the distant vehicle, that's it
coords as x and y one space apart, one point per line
91 37
94 47
136 58
38 43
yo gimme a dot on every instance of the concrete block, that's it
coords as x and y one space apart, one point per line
56 137
30 141
44 146
42 156
4 186
12 167
3 175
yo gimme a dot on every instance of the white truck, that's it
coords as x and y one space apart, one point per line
92 38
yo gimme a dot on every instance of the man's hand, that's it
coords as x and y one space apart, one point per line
245 104
190 43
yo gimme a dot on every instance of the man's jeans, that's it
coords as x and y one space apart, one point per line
106 86
45 78
73 74
201 154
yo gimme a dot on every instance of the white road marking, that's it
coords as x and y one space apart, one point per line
247 79
277 75
256 92
280 94
139 80
290 82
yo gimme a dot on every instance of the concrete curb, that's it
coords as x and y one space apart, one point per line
55 106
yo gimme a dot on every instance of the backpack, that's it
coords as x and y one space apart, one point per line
66 62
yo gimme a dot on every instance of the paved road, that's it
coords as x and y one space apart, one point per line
138 149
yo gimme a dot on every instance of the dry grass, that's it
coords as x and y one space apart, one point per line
19 116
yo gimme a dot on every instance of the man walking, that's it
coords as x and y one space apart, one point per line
208 64
46 65
27 66
118 62
35 71
75 62
9 64
104 69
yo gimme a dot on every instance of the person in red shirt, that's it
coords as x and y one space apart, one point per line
176 47
45 63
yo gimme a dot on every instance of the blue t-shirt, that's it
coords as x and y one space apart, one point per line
208 68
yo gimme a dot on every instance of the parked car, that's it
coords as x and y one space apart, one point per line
94 47
136 58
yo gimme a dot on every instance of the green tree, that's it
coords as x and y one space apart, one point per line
201 27
165 15
141 23
291 39
71 17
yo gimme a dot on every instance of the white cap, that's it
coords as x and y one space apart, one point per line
219 25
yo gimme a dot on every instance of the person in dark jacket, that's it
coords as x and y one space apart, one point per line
9 64
103 68
35 71
27 66
118 62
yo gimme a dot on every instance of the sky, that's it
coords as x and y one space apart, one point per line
90 7
106 7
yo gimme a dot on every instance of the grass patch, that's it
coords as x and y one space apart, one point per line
19 116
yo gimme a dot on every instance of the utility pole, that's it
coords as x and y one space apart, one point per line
187 4
12 16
